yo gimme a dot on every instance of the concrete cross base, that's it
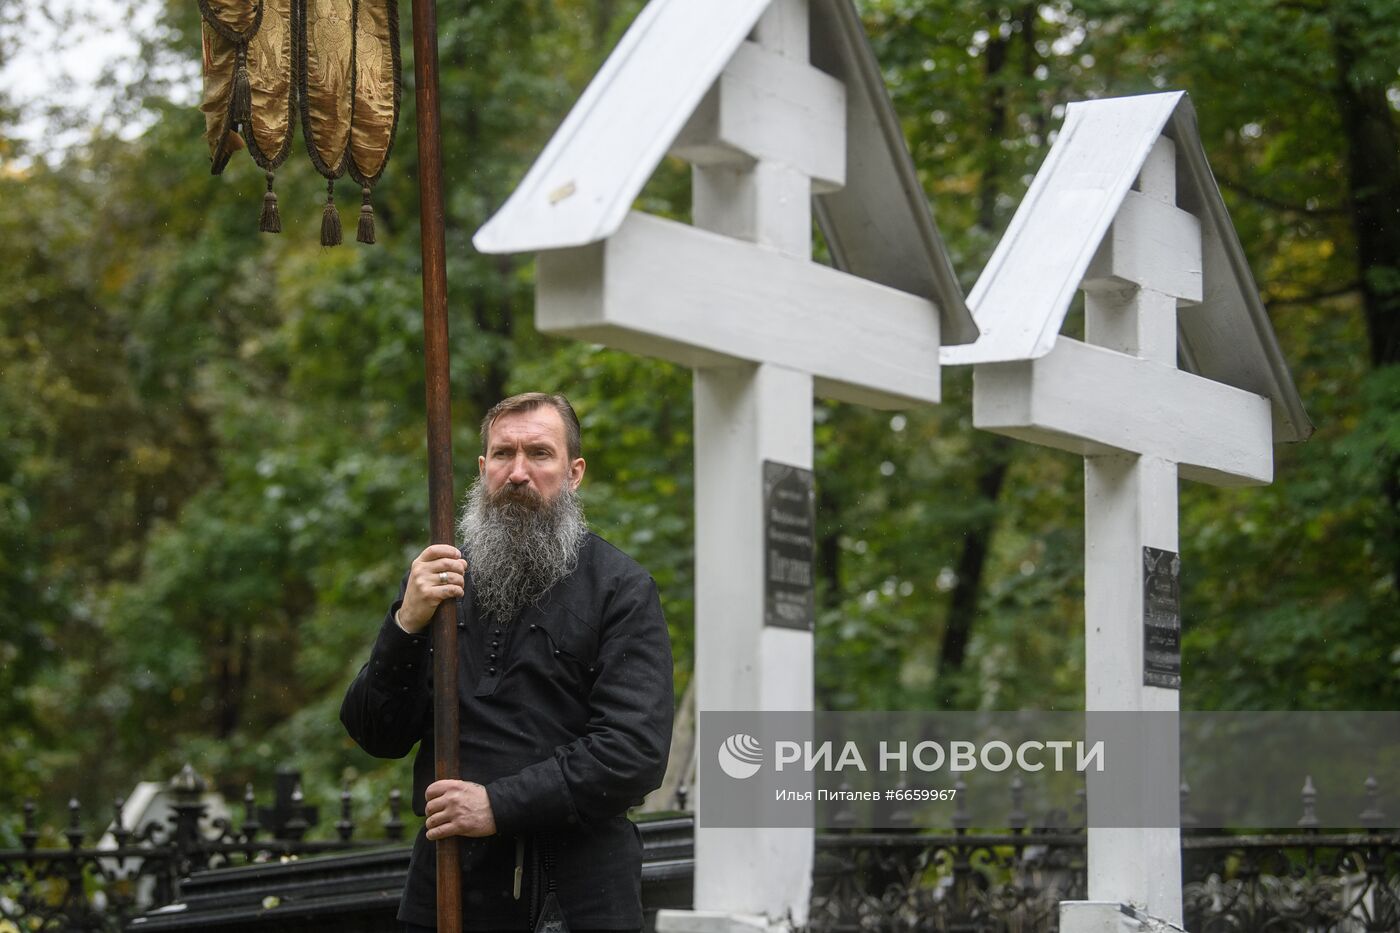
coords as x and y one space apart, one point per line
716 921
1105 917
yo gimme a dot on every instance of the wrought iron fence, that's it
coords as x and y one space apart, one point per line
1295 883
957 881
1308 880
962 880
100 884
1311 880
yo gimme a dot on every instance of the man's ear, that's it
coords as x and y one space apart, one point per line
576 469
481 465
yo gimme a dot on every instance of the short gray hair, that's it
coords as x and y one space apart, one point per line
529 401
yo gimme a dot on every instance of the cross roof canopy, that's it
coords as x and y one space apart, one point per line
580 189
1020 301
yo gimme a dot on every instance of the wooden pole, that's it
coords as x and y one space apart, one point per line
446 764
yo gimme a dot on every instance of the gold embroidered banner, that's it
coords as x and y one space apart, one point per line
327 43
327 82
334 62
220 56
376 111
225 29
273 101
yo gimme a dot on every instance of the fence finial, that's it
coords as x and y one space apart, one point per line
345 826
1372 817
188 783
74 832
1309 819
296 826
394 828
1188 820
1017 818
251 826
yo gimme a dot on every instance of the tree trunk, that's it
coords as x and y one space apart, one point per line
1373 174
977 540
995 127
970 570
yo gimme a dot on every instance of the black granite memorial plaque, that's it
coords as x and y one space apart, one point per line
1161 618
789 546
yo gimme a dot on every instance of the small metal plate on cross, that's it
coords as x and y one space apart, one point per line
1161 618
789 538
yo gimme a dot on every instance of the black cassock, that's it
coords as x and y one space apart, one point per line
565 719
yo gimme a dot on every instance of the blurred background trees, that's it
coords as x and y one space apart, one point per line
212 468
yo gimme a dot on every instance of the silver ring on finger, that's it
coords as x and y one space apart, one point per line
442 577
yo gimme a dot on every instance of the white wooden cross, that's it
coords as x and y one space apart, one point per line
728 86
1161 283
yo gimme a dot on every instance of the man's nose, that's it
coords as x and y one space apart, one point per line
518 474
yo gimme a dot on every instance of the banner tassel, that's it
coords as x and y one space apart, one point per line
366 231
242 90
271 220
330 219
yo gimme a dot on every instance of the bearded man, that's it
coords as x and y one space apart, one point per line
564 685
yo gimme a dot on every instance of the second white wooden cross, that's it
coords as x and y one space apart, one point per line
1164 280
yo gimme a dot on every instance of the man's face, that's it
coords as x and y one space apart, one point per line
527 453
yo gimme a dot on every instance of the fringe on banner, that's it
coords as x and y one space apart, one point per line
332 65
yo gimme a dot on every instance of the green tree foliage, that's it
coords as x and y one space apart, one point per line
212 467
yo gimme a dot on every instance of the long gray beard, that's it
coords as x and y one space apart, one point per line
518 545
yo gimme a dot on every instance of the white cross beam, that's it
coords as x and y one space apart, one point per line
1073 398
1119 399
769 134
